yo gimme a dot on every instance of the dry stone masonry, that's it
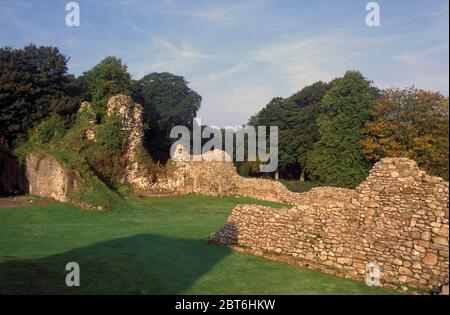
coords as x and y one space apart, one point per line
213 177
397 218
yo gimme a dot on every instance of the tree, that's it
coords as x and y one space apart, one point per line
295 117
34 84
167 102
305 131
276 113
108 78
337 158
410 123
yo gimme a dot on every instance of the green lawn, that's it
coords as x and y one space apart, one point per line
148 246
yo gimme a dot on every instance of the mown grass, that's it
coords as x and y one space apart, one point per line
143 246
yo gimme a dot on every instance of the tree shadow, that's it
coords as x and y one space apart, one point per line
139 264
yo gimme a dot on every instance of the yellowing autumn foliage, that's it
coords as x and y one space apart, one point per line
410 123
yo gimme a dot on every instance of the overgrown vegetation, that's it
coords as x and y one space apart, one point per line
39 112
329 133
332 133
95 164
34 84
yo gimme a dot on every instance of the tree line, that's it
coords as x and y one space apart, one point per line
332 133
35 86
329 132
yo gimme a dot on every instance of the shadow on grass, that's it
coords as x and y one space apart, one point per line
139 264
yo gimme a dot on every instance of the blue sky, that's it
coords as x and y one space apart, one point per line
240 54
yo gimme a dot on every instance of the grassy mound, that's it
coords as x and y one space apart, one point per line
96 163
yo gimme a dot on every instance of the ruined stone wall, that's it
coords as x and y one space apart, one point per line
397 218
220 178
134 172
48 178
216 178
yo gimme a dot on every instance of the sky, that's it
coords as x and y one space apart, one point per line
238 55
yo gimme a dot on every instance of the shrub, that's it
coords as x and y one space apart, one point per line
51 128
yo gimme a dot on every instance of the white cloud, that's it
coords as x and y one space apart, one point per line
427 55
220 75
304 59
71 42
165 56
223 13
173 58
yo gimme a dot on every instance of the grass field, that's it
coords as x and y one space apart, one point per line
146 246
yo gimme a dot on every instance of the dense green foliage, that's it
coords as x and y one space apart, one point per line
34 84
167 102
298 131
144 246
110 77
303 121
337 158
329 133
96 163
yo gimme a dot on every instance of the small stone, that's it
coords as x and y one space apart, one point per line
344 261
403 279
440 240
443 232
405 271
430 259
426 236
309 256
308 220
417 265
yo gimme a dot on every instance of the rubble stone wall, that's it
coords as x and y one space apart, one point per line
220 178
48 178
134 172
397 218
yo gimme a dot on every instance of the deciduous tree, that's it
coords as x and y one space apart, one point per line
410 123
337 158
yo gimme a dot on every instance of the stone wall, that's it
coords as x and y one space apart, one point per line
397 218
219 178
48 178
134 172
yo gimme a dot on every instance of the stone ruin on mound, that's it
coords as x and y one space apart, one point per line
397 218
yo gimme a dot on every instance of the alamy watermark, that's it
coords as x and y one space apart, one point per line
73 277
261 147
73 17
373 274
373 17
